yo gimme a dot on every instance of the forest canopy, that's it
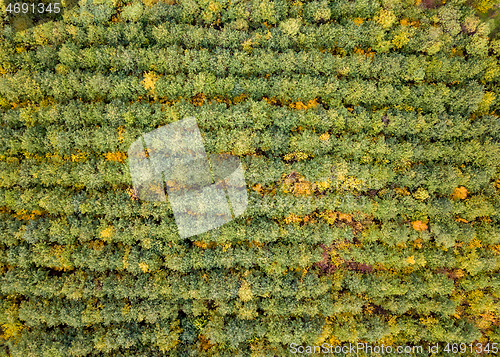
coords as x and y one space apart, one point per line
369 136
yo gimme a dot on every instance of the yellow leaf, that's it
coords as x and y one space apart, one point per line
245 291
149 82
107 232
292 218
400 40
459 193
214 6
258 187
297 156
475 243
402 191
345 217
419 226
115 156
488 99
144 267
121 130
11 330
324 137
359 20
385 18
247 45
329 216
200 244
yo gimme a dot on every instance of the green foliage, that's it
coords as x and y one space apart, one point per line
369 136
132 12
